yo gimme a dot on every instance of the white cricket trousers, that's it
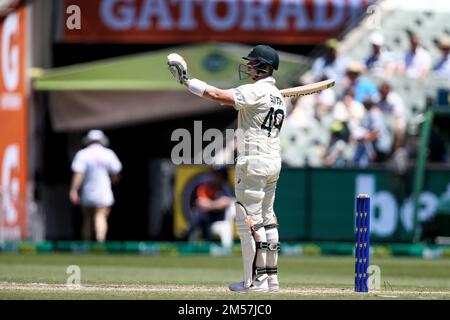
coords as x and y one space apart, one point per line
256 181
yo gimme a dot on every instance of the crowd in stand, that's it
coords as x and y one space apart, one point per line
364 122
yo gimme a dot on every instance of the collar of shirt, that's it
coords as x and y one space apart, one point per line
269 79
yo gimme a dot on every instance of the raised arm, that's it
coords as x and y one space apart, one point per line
204 90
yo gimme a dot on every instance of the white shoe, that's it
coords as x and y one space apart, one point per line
258 285
273 282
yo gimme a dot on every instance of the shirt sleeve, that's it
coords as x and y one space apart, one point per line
79 163
202 192
245 96
115 165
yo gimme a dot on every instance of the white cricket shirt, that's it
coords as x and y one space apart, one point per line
97 163
261 114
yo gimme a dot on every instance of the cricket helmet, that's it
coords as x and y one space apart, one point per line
264 54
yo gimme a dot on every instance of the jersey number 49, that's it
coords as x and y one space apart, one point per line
273 119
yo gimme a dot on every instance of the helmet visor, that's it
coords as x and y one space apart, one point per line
245 70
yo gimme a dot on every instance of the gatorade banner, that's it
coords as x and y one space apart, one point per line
289 22
13 126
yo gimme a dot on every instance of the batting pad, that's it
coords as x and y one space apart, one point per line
261 254
272 255
248 245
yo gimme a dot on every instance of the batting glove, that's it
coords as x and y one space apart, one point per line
178 67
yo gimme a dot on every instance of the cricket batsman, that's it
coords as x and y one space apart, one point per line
261 111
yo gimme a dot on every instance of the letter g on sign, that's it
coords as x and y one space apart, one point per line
10 185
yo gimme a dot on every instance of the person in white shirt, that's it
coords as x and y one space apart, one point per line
349 111
373 139
94 168
393 107
417 61
442 67
260 118
381 61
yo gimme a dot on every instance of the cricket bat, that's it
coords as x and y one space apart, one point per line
307 89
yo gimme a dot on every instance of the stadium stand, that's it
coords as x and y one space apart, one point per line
395 20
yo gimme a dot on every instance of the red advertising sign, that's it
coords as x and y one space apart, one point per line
288 22
13 126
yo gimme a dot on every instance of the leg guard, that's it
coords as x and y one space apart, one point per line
253 238
248 245
273 245
259 234
272 255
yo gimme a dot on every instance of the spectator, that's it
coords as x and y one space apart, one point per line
364 151
94 169
302 112
417 61
392 106
336 154
331 65
324 102
442 67
363 87
349 111
374 141
303 141
381 61
211 199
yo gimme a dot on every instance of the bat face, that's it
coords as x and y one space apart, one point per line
307 89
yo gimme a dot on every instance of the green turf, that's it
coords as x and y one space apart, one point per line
401 278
